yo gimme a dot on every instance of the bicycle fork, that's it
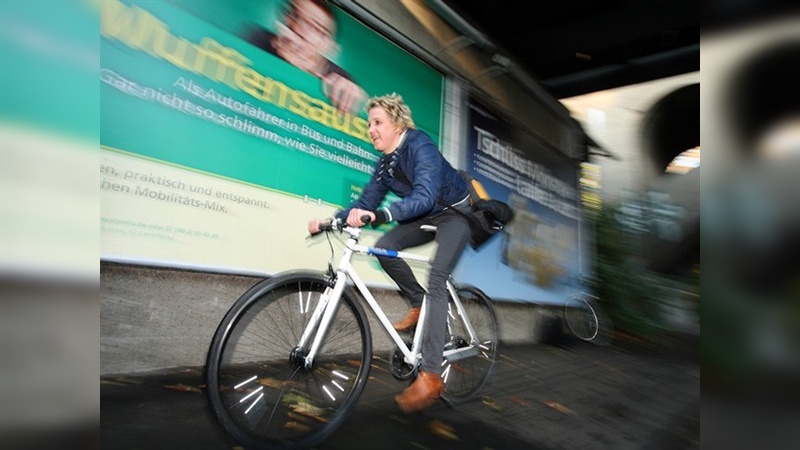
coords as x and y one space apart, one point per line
320 320
472 349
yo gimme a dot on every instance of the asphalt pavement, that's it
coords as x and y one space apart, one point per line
559 395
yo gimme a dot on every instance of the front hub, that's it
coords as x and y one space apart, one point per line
297 357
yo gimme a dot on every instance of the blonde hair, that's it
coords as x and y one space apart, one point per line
397 110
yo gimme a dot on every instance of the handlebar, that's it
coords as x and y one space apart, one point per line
338 225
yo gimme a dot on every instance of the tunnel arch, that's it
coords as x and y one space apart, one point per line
668 129
672 126
764 91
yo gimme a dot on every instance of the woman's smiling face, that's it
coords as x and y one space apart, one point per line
385 135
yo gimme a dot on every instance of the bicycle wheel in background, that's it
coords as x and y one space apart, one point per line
257 386
581 318
464 378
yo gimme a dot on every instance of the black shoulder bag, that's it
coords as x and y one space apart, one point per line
486 216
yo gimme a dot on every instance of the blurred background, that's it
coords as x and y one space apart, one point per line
750 111
641 191
49 271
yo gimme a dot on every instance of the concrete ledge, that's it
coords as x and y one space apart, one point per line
155 319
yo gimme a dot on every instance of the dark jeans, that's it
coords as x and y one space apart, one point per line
451 237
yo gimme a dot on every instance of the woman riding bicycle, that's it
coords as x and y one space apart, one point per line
413 168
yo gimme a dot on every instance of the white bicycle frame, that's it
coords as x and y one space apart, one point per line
329 302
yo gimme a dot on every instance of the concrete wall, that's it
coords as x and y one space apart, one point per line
155 319
614 119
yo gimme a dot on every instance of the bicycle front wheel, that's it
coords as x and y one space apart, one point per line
258 387
581 318
475 331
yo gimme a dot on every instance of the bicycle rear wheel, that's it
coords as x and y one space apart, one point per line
258 388
464 378
581 318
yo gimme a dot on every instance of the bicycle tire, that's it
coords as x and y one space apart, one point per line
581 318
258 390
463 379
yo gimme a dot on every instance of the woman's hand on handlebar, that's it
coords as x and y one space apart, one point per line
315 225
356 217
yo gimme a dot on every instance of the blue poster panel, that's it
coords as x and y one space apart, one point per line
536 258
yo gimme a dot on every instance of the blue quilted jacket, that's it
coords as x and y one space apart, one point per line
431 177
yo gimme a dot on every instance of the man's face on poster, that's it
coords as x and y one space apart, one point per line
307 34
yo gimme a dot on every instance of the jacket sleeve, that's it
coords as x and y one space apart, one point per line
427 167
370 198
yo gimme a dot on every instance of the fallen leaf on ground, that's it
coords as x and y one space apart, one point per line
491 403
309 410
442 430
182 388
518 401
296 426
559 407
273 383
122 380
297 417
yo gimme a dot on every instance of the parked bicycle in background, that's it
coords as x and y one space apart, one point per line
585 317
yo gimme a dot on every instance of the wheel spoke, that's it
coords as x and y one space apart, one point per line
468 371
581 318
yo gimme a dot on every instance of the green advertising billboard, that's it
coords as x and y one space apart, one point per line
216 139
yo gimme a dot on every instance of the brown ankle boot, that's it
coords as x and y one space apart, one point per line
411 318
422 393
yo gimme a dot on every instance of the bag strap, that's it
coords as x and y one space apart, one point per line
401 177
